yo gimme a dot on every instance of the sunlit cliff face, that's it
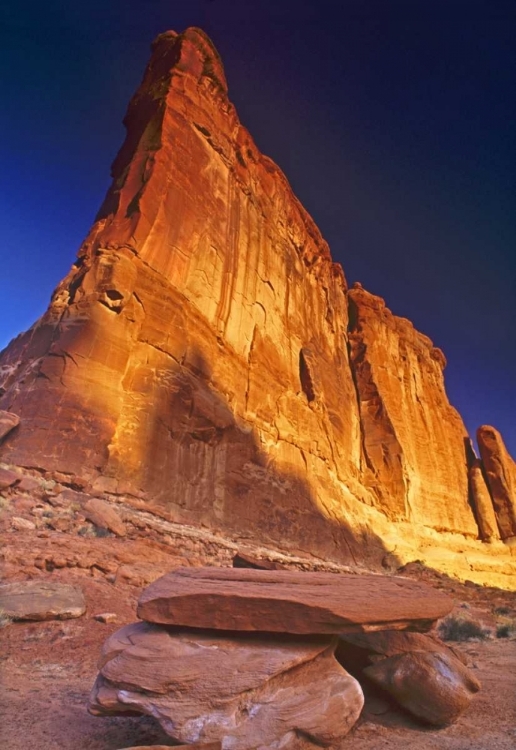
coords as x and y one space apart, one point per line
205 355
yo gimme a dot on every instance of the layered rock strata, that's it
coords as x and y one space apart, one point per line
204 355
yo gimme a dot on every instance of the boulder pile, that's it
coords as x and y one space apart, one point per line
247 657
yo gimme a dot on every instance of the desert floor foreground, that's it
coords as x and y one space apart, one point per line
48 668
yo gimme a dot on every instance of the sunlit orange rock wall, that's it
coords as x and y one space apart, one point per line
414 441
197 355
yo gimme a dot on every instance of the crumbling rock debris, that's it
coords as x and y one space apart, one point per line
29 484
8 478
142 573
103 515
22 524
106 617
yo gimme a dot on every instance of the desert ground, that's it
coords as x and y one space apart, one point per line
48 667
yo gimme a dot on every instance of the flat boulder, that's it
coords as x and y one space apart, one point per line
433 686
38 600
246 691
289 602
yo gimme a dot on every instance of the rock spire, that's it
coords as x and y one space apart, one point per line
204 355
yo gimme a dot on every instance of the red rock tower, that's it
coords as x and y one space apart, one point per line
204 356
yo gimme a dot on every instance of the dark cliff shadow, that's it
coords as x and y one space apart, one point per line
203 466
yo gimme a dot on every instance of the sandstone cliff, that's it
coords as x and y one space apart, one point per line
205 357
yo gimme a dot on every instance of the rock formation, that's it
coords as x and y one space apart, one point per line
248 691
204 356
427 678
433 686
482 502
413 439
500 473
194 665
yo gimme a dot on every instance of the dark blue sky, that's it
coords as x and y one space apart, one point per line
392 119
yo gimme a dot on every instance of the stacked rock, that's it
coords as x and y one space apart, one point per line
247 657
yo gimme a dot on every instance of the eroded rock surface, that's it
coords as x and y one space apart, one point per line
384 643
248 691
289 601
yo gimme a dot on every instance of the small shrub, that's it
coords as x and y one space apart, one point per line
100 532
5 619
4 502
461 629
503 631
502 610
